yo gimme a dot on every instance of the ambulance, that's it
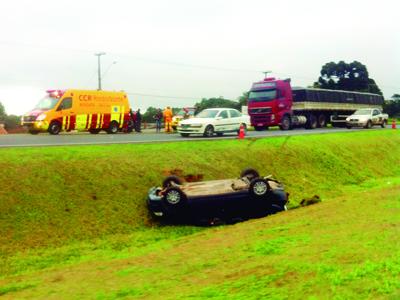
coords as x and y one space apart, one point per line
82 110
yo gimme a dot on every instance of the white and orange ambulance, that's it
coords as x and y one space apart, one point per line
80 110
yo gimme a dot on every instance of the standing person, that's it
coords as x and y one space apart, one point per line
168 119
138 121
158 117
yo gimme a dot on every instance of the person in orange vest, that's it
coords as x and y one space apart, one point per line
168 119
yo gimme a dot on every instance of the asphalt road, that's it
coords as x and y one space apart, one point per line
148 136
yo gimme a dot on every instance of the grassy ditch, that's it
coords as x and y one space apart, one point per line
91 196
344 248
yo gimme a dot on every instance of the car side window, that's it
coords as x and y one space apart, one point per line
234 113
375 113
224 114
65 104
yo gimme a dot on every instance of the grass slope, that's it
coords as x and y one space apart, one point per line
84 206
345 248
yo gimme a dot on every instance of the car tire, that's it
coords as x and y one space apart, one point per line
54 128
368 125
112 128
286 124
174 197
249 173
259 187
185 134
171 179
384 123
94 131
209 131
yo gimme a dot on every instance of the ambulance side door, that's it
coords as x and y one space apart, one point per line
66 113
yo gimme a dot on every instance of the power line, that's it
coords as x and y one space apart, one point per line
165 62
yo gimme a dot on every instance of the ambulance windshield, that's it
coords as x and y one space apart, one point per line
47 103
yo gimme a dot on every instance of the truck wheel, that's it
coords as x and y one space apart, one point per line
94 131
54 128
311 122
113 128
368 125
249 173
384 123
209 131
285 123
167 182
259 187
321 121
174 197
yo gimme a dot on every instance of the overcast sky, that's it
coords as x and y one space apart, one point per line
176 52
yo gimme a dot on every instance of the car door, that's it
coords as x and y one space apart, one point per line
235 119
222 121
66 113
375 117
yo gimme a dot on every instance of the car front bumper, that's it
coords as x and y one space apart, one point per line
356 123
36 125
190 129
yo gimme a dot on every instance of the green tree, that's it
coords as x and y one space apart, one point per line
346 76
243 99
216 102
392 107
12 122
149 114
2 112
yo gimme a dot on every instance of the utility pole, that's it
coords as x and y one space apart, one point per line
99 67
266 73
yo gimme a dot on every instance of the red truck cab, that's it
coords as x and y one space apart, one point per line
270 103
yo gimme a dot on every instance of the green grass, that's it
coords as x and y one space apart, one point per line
74 222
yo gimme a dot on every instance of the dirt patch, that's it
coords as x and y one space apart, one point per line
2 129
186 177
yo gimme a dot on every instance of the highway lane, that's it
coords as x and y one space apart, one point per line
148 136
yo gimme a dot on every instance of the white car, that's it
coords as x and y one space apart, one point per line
214 120
367 117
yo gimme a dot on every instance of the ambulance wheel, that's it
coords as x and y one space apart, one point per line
54 128
113 128
94 131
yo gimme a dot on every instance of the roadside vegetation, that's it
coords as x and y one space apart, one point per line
74 221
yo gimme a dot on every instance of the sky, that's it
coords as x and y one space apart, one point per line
176 52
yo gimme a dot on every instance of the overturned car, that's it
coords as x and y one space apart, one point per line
217 201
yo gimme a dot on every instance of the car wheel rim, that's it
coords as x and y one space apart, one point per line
173 197
260 188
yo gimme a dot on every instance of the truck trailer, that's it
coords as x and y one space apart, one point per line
273 102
